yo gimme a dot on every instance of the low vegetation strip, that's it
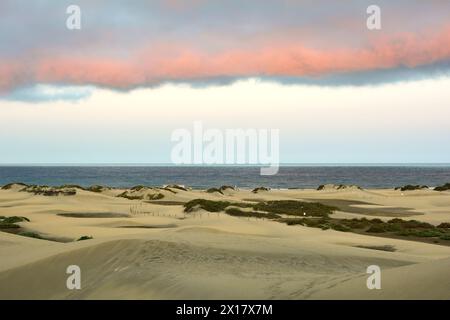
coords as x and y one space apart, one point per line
8 223
410 187
236 212
394 227
211 206
444 187
273 208
295 208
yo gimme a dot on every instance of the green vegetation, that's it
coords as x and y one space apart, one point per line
138 188
129 197
316 215
52 191
84 238
393 227
239 213
10 222
49 191
256 190
212 190
376 228
223 188
295 208
444 225
15 219
10 185
30 235
70 186
321 223
426 233
95 188
445 236
270 208
208 205
444 187
175 186
337 187
410 187
219 190
8 225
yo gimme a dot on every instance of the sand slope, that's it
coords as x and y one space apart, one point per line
429 280
153 269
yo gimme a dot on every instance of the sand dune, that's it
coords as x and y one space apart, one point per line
156 251
153 269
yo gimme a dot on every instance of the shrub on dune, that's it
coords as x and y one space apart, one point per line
126 195
410 187
445 236
213 190
49 191
10 222
295 208
376 229
239 213
70 186
84 238
208 205
30 235
95 188
340 227
176 186
15 219
256 190
223 188
444 187
138 188
8 225
10 185
444 225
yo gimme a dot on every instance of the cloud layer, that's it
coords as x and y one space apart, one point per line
146 43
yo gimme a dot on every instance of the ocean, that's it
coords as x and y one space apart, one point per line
302 176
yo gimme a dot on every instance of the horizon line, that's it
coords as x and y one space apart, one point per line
130 164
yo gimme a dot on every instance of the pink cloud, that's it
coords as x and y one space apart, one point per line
187 62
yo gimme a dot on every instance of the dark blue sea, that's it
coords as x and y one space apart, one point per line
245 177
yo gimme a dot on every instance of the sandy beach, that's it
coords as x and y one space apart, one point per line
153 249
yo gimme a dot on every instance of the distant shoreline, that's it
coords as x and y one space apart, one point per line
323 187
246 177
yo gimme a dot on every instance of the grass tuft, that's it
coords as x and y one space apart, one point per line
85 238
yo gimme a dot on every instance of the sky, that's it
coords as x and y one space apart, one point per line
116 89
